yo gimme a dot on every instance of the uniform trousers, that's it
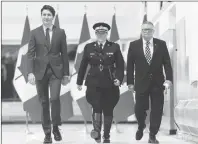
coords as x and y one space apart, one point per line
103 100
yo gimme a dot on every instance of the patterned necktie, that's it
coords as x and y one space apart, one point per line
148 53
48 37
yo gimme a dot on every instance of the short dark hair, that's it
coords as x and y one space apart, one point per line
148 22
50 8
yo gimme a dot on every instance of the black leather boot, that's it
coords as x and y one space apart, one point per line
152 139
47 139
97 124
107 128
57 134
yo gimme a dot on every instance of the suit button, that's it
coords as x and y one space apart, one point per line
100 60
151 76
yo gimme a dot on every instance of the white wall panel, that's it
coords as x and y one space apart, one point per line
129 17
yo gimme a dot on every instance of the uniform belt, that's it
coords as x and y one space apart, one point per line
101 66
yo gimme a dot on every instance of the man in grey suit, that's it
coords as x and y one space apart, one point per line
48 67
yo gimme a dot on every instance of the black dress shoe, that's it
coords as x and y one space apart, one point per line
153 140
139 134
57 134
98 140
106 140
47 139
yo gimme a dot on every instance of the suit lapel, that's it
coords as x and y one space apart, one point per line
43 36
155 46
141 46
142 49
53 36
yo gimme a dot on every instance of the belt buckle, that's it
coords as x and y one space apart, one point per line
101 67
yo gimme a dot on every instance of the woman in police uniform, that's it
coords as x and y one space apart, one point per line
103 79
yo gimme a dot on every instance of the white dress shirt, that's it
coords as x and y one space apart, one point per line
50 31
102 44
150 46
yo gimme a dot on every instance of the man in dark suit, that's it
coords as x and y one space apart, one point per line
147 57
48 68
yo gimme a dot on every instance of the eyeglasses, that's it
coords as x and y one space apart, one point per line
101 33
149 30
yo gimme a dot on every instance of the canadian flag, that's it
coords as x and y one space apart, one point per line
79 96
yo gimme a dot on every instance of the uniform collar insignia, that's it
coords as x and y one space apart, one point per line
109 53
108 43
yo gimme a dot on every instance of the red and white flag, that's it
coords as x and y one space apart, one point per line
65 94
26 91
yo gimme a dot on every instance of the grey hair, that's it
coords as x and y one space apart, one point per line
148 22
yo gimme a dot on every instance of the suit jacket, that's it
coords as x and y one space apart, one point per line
111 60
40 54
145 73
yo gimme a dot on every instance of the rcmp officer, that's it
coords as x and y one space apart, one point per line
103 79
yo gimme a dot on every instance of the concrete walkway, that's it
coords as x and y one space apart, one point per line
76 134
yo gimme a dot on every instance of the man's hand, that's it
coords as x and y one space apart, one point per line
131 88
116 82
167 85
65 80
79 87
31 78
195 83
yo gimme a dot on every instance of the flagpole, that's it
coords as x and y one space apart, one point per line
85 9
27 126
27 10
57 8
27 115
115 122
145 7
85 121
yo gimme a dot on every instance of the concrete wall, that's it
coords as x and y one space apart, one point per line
176 24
